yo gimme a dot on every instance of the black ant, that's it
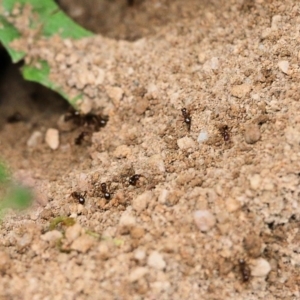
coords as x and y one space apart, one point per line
80 197
187 119
134 179
106 193
78 140
89 119
245 270
224 130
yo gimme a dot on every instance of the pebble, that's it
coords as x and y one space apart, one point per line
255 181
137 273
139 254
252 134
126 223
141 201
52 138
103 251
260 268
157 163
5 262
202 137
122 151
240 91
73 232
137 232
284 66
204 220
292 135
115 93
51 236
83 243
163 196
186 143
35 139
232 204
141 106
156 261
86 106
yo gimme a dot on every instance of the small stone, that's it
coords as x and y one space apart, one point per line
156 163
137 232
141 106
35 139
156 261
202 137
163 196
51 236
126 223
284 66
141 201
260 268
73 232
266 33
83 243
5 262
122 151
86 106
255 181
137 273
252 134
275 22
232 204
139 254
292 135
186 143
214 63
204 220
52 138
103 251
115 93
240 91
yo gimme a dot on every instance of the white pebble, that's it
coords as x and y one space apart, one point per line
202 137
156 261
137 273
186 143
34 139
283 66
163 196
115 93
73 232
260 268
50 236
127 220
255 181
141 201
83 243
52 138
139 254
204 220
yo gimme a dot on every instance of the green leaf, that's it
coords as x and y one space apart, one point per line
19 198
3 173
41 75
7 34
51 20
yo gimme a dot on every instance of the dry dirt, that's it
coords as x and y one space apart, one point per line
215 213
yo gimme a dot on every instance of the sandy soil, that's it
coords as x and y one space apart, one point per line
215 211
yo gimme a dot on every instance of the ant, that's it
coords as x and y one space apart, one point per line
78 140
134 179
106 193
89 119
245 270
187 119
224 130
80 197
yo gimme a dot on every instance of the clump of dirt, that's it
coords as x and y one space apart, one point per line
191 189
